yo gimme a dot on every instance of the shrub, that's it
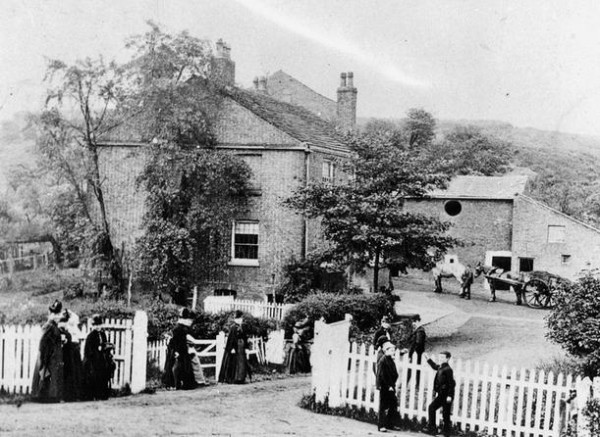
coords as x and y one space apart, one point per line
303 277
591 412
209 325
565 365
573 322
366 310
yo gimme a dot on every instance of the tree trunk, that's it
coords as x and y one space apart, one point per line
376 273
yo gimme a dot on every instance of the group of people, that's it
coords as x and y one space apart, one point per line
183 369
387 380
60 374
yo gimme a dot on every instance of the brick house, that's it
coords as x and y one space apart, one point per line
286 145
502 226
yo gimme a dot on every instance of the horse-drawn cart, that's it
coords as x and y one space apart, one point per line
535 288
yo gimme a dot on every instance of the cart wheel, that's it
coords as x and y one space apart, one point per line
537 294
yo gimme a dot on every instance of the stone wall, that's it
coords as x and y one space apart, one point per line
483 225
580 249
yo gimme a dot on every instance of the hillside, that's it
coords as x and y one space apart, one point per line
16 147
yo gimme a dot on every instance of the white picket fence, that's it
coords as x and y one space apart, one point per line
499 401
19 351
263 310
210 350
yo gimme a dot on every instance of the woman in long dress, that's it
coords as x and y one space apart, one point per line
98 366
182 367
234 367
48 376
73 368
299 355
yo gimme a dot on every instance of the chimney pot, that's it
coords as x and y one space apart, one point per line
262 84
343 79
350 82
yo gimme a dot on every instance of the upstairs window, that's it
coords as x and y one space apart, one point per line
556 234
245 243
328 172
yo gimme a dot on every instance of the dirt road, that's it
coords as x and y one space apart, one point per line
258 409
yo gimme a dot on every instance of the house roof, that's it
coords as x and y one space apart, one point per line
297 122
483 187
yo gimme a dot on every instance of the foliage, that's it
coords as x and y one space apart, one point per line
574 322
364 222
192 196
302 277
366 310
565 365
420 127
208 325
467 151
591 413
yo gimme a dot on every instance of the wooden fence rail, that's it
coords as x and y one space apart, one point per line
19 351
498 400
263 310
210 352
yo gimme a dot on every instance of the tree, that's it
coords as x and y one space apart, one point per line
574 322
467 150
194 190
192 196
420 127
78 111
364 223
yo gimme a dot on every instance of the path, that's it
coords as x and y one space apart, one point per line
495 332
258 409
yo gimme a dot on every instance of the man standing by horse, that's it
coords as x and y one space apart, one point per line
467 280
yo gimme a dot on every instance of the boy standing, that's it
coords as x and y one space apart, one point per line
443 386
387 375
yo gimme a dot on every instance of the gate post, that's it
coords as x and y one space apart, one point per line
219 349
139 357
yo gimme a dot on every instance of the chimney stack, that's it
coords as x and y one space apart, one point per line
346 102
222 68
262 85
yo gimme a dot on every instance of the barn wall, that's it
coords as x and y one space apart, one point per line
483 225
530 239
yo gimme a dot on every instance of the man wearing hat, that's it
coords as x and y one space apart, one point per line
387 375
48 377
383 331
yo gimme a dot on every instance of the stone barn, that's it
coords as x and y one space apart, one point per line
500 225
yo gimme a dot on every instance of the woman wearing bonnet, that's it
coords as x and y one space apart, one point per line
48 376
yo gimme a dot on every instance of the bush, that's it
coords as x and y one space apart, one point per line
209 325
303 277
366 310
591 412
573 322
565 365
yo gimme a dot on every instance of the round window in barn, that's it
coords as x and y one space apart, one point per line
453 207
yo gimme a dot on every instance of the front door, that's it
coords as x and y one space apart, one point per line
503 262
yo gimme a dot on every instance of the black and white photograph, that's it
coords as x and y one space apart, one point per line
300 218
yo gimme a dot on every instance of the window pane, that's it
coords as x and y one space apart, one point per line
556 234
245 240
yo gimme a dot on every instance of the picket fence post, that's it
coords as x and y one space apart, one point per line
219 349
140 351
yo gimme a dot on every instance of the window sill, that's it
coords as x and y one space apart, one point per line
244 263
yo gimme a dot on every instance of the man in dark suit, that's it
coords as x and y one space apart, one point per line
387 375
383 331
443 386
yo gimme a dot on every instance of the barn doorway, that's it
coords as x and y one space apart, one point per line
501 259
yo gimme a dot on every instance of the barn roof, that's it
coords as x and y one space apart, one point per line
483 187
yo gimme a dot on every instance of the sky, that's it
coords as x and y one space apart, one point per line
533 63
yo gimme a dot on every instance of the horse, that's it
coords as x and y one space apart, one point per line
452 268
493 274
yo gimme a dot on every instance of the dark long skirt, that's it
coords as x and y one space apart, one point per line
73 372
48 376
235 366
298 359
